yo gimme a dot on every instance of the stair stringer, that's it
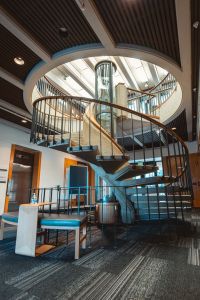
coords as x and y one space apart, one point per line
127 208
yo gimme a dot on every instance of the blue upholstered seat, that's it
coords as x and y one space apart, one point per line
11 217
62 220
49 219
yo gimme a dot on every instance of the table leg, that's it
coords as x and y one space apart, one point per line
77 243
84 236
2 230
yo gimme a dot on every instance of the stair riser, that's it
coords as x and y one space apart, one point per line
159 198
156 217
144 191
155 210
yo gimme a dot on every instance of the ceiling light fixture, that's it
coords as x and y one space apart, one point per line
63 32
19 61
195 24
24 121
173 128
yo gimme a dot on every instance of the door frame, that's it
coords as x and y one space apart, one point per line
36 169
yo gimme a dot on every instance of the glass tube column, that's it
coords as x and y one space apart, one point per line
105 91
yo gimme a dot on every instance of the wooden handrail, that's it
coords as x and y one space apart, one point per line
121 108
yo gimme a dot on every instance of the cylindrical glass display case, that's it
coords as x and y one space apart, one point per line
105 91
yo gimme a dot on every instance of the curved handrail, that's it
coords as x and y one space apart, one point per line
94 134
50 129
125 109
153 95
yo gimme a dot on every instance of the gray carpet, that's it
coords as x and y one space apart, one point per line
146 261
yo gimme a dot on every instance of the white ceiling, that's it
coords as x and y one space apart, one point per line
77 78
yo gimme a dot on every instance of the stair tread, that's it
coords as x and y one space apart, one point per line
131 170
147 181
111 164
87 153
149 190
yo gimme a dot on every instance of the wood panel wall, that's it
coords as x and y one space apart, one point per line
195 174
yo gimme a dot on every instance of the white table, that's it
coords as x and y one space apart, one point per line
27 230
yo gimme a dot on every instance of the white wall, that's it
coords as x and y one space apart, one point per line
52 161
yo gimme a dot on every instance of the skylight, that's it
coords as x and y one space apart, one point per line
78 77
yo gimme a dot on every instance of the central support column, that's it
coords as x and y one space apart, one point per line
105 91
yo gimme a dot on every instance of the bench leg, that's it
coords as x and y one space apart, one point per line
84 236
2 230
77 243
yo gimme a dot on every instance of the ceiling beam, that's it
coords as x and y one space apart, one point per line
183 13
55 76
76 78
17 111
14 125
132 82
11 78
90 64
150 72
94 19
57 86
16 29
154 74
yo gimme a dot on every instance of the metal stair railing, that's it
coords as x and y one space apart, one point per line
135 134
149 102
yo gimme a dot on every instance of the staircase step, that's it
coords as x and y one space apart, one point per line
77 138
154 198
146 181
133 170
154 210
42 142
162 204
87 153
111 164
151 190
156 217
60 146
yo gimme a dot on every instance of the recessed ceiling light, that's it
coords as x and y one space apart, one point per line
195 24
63 32
24 121
173 128
19 61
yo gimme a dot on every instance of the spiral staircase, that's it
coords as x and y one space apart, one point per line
123 147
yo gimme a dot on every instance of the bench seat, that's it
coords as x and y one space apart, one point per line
67 222
51 221
11 217
61 220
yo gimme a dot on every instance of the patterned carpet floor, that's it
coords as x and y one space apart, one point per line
145 261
